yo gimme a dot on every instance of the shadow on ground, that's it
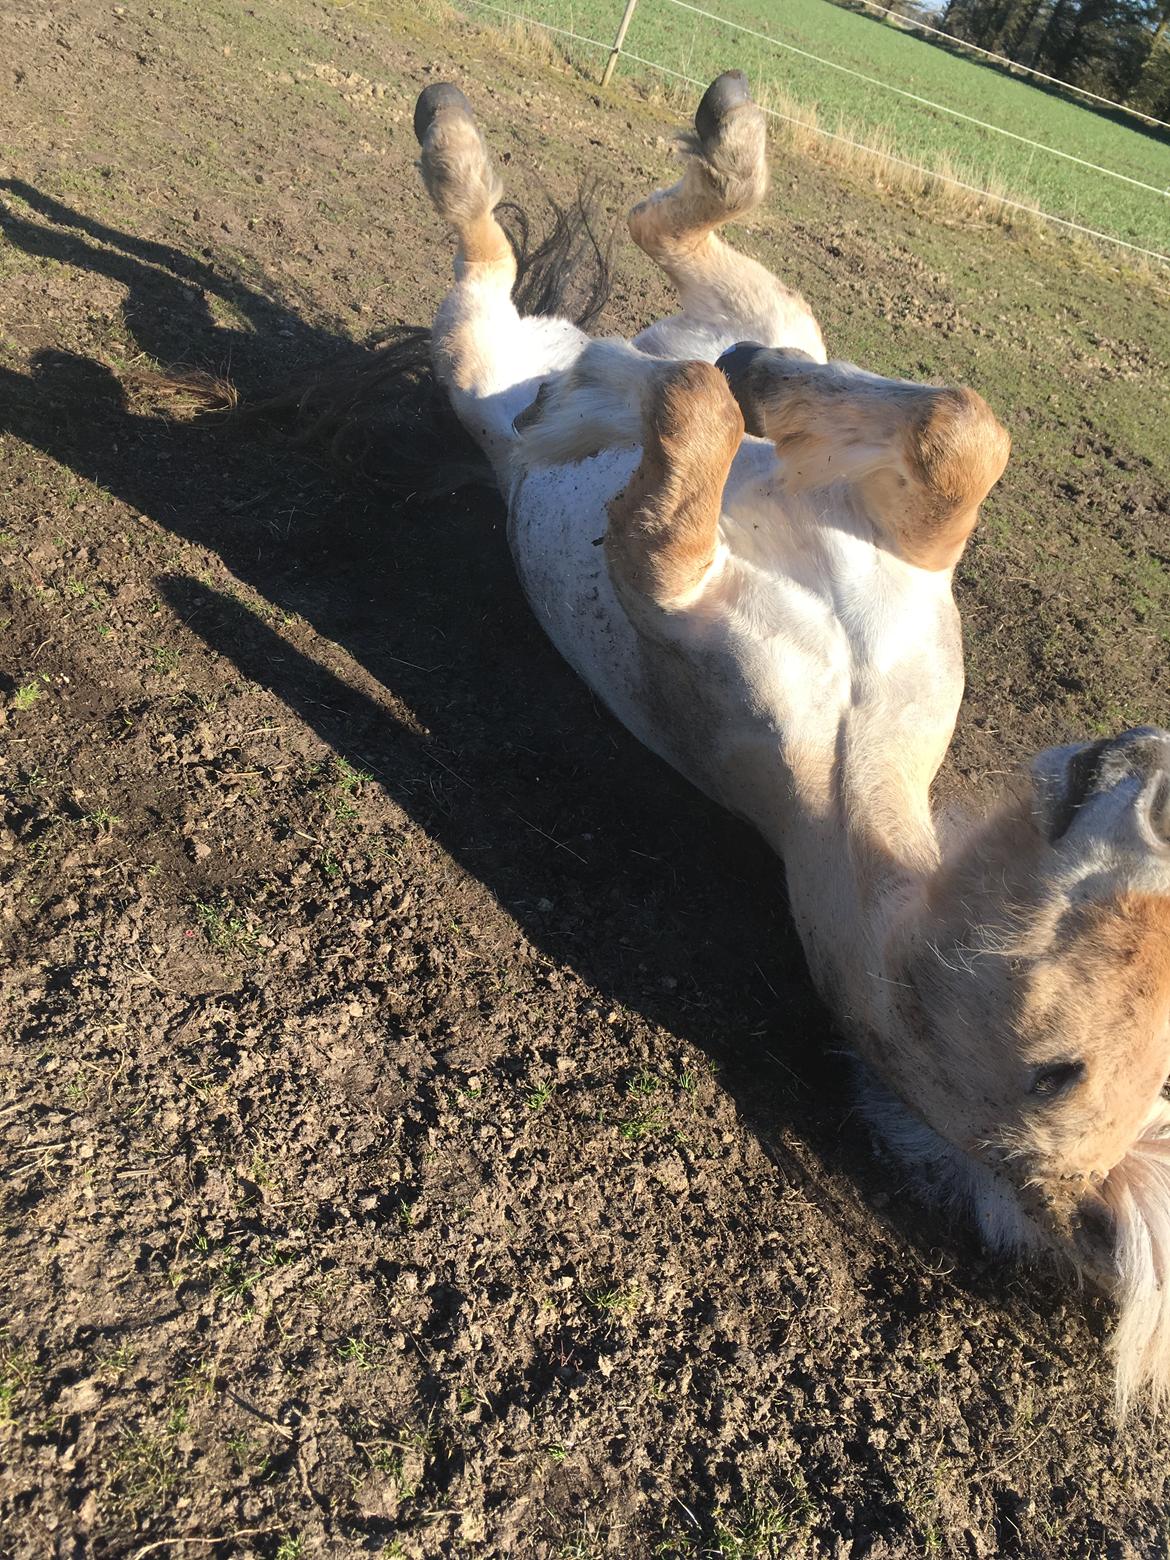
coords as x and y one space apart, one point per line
608 862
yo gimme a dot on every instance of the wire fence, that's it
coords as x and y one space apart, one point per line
617 49
914 97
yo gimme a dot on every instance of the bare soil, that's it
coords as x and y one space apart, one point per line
420 1136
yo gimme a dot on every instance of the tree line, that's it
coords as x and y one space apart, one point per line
1118 48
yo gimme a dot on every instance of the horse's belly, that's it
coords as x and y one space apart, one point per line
556 520
727 690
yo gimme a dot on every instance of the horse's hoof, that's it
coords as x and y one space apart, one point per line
735 365
726 93
439 98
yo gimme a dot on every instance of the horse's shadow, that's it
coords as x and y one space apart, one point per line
658 900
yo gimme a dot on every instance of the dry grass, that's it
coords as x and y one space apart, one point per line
871 157
526 40
179 394
858 151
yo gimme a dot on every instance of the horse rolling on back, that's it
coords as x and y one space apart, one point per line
770 610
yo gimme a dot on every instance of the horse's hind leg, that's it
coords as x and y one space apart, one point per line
726 297
465 190
489 359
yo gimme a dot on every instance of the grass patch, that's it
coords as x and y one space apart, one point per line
346 784
539 1097
615 1301
17 1373
226 928
147 1469
26 696
357 1351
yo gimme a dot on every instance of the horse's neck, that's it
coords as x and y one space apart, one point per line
861 665
860 847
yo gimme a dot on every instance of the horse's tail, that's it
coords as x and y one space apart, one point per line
378 411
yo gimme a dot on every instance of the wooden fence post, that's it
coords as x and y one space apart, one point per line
615 52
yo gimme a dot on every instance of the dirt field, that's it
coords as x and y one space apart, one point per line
419 1134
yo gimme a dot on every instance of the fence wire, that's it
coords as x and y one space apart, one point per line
834 135
887 86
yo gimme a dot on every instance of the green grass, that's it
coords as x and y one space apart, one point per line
148 1468
695 47
17 1372
615 1301
225 928
26 696
357 1351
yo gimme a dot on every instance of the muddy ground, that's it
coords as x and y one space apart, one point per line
419 1134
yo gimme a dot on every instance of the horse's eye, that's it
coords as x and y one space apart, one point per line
1056 1078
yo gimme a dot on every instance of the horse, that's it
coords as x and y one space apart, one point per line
747 551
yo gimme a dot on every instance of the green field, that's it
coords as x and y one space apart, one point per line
693 46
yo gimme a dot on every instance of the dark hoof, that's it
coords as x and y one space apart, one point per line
725 93
438 98
735 365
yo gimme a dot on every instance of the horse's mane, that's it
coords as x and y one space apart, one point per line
1136 1193
377 410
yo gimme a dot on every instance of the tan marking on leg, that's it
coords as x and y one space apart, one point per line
482 241
662 529
724 179
958 450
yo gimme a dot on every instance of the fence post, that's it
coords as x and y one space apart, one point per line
614 53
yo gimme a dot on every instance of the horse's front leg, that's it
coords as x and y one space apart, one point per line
662 532
662 537
918 459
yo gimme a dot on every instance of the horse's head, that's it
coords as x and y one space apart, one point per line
1035 994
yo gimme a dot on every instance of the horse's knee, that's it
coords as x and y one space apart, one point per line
663 527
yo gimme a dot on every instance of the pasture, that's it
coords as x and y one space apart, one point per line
696 46
419 1133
